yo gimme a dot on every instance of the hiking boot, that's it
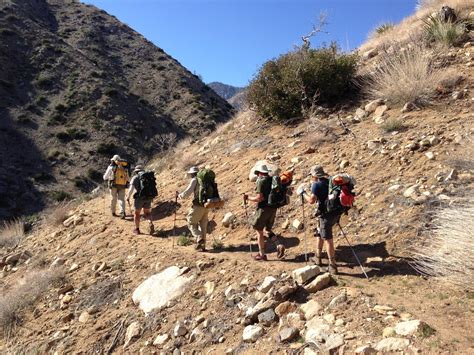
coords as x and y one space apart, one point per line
317 260
114 214
136 231
123 215
332 269
151 229
260 257
280 251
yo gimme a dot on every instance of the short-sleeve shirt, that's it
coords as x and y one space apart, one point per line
264 186
320 189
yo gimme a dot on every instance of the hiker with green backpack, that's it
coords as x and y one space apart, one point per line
270 195
143 189
205 196
334 196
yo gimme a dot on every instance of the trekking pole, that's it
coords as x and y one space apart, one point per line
174 218
353 251
248 223
304 225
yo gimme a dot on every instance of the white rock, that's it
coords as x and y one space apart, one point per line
318 283
344 164
310 309
84 317
382 309
430 155
434 140
252 333
410 327
267 284
196 334
209 286
296 160
392 344
309 351
161 339
306 273
372 106
159 290
388 332
294 319
179 330
133 331
366 350
338 300
228 219
317 329
297 224
330 318
394 188
360 114
372 145
379 112
411 191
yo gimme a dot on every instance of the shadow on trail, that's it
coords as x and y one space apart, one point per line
270 247
164 209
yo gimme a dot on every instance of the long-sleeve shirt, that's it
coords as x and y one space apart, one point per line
192 188
109 173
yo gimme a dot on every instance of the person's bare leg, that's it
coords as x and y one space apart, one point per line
331 255
136 219
149 217
319 251
261 242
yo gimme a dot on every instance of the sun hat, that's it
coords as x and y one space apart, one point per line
116 157
138 168
318 171
193 170
262 168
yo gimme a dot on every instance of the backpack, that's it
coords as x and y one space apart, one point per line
278 196
147 185
341 195
208 194
121 173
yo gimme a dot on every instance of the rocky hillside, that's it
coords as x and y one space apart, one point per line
225 91
77 86
82 282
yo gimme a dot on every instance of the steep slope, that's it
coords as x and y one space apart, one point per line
77 86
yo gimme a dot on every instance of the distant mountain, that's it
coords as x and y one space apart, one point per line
225 91
76 87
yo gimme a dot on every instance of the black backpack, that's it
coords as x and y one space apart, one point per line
147 185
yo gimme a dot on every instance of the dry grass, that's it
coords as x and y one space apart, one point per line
406 77
12 233
445 33
410 30
56 215
15 300
448 253
393 125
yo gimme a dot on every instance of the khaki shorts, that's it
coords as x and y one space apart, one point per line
264 218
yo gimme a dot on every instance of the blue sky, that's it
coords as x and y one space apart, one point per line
228 40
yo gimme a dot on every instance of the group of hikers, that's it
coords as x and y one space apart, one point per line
332 195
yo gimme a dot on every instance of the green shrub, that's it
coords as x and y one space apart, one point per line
446 33
383 28
60 107
292 84
83 183
60 196
44 80
184 240
106 148
393 125
94 175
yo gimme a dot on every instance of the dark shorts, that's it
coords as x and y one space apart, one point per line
142 203
326 224
264 218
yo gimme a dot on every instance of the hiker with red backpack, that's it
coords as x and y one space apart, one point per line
271 194
334 197
117 177
143 189
205 196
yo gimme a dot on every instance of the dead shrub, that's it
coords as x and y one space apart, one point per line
320 133
12 233
56 215
100 293
186 160
406 77
448 252
30 288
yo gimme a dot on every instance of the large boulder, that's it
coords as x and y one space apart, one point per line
304 274
252 333
411 327
159 290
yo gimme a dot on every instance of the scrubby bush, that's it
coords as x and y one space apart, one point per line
292 84
60 196
12 233
393 125
383 28
408 76
448 33
106 148
448 253
184 240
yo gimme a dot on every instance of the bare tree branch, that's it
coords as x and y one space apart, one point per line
318 28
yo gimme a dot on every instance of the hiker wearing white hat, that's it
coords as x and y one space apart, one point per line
117 178
197 216
143 189
264 217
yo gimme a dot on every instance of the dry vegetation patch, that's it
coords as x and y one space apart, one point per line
12 233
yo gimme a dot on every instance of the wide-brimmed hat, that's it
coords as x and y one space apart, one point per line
116 157
138 168
193 170
262 168
318 171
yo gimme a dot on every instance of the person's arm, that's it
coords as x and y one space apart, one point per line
189 190
310 198
257 198
131 189
109 173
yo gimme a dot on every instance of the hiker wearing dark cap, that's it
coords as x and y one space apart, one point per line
327 220
197 216
117 178
264 217
143 190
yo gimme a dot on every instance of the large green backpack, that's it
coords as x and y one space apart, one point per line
207 186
